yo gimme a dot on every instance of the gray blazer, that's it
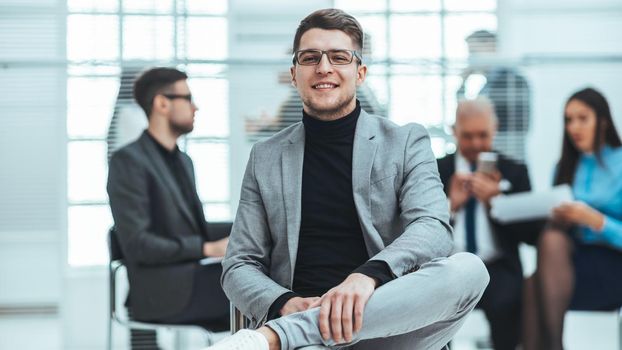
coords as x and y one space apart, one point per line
398 195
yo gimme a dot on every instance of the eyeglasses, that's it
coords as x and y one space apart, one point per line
174 96
335 57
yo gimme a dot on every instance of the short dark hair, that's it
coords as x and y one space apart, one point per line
152 82
331 19
605 134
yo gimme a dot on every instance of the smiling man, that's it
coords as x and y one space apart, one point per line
342 235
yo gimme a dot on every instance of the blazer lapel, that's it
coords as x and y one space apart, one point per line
196 200
167 177
363 154
292 160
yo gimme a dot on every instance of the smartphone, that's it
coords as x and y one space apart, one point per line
487 162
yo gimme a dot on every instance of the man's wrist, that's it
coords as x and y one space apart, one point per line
209 249
278 304
373 281
289 299
376 269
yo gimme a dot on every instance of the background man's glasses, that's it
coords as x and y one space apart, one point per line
174 96
335 57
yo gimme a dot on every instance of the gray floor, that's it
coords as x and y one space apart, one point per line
583 331
30 333
45 333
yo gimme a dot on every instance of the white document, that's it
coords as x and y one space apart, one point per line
210 260
529 205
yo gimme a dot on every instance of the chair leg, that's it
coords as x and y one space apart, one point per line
177 340
238 320
209 338
109 336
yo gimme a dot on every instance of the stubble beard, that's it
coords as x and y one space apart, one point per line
330 113
181 129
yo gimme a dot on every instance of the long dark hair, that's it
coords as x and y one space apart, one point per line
605 134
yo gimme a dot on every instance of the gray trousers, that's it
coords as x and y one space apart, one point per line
421 310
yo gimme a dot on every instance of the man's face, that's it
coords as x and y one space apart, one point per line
474 134
181 111
328 91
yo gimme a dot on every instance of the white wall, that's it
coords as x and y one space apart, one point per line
565 46
32 174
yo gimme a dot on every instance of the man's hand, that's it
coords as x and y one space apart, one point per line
297 304
458 190
341 308
484 186
579 213
215 249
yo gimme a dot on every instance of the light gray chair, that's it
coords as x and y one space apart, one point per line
238 320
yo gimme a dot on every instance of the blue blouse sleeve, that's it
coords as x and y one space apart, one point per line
612 231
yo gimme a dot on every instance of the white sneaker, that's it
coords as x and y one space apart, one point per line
244 339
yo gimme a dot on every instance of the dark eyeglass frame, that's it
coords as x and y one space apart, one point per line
187 97
355 54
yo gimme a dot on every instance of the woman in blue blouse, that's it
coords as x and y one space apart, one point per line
580 251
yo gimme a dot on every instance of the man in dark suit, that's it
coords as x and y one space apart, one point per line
470 192
158 216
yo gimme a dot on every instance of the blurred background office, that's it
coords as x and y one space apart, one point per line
63 67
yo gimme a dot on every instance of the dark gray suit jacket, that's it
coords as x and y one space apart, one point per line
159 237
508 236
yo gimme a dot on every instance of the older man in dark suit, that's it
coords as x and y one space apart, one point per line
158 216
470 190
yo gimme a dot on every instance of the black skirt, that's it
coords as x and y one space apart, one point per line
598 277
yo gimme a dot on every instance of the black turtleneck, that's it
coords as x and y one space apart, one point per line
330 244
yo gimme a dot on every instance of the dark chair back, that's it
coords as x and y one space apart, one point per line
218 230
114 248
